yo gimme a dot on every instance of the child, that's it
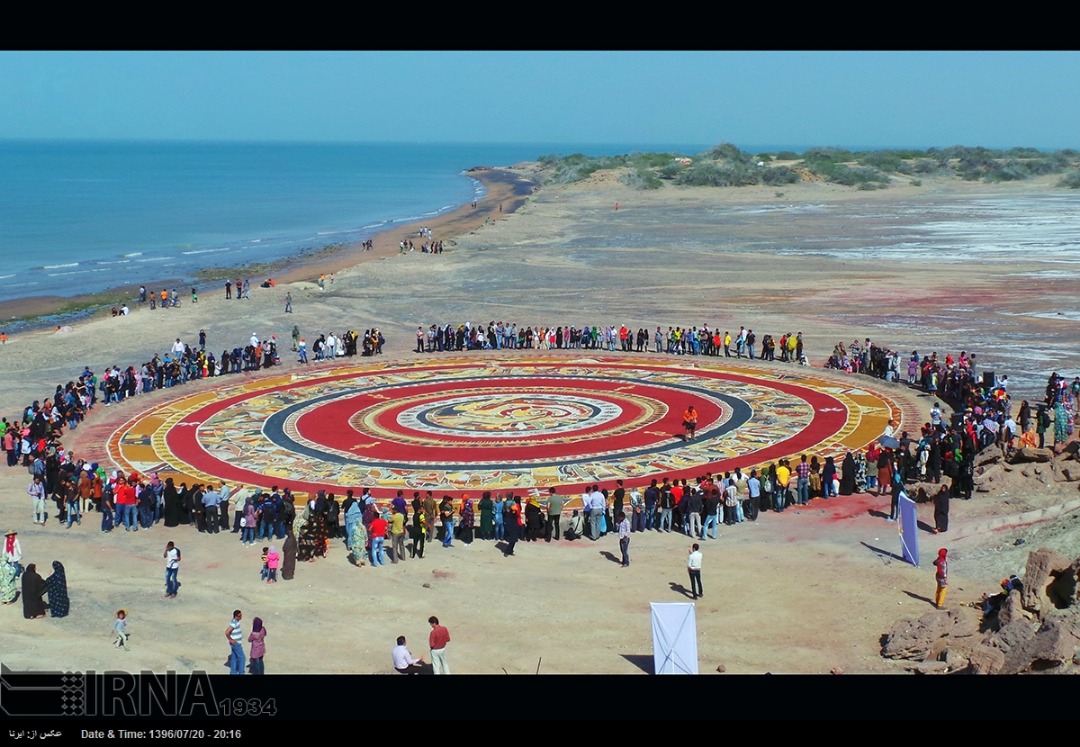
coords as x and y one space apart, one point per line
941 575
273 560
120 628
265 574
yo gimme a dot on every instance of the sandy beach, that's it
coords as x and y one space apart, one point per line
807 591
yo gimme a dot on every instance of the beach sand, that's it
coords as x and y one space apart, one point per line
808 591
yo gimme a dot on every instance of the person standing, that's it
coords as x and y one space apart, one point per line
690 419
210 500
172 569
288 302
597 506
693 567
431 511
693 503
377 539
120 629
223 509
33 588
637 511
36 491
652 498
235 636
13 552
57 590
437 642
554 515
619 499
884 470
624 538
941 510
513 522
941 575
446 514
397 533
802 485
257 639
228 290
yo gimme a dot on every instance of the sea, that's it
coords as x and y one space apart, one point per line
79 217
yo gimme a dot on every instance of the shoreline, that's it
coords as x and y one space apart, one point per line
506 190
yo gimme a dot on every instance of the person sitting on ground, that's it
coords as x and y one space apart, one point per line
576 526
405 662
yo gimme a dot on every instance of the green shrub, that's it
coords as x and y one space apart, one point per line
881 160
828 155
703 174
860 176
670 171
777 175
727 152
787 155
642 179
1071 180
925 166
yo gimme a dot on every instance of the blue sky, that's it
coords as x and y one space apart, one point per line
765 99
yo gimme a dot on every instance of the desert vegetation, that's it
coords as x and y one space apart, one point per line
725 165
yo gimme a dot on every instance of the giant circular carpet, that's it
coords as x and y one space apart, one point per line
513 423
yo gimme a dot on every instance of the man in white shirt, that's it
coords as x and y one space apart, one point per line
597 506
405 662
935 416
693 567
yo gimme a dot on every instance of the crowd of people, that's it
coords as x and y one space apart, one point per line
702 340
38 594
330 346
375 531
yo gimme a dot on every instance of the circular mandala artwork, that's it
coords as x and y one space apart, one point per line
461 424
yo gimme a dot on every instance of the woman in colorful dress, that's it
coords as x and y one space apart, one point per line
353 516
358 542
860 472
8 588
467 522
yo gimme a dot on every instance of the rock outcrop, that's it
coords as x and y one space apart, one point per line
1031 629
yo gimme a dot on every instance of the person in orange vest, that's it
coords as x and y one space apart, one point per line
690 417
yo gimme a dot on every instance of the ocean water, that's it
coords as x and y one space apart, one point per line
85 216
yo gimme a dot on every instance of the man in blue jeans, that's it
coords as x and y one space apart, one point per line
235 636
802 472
652 497
172 568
